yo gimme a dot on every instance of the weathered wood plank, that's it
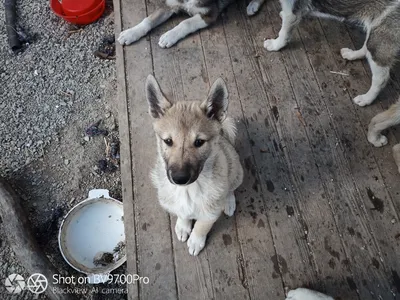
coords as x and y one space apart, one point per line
255 245
214 273
126 159
192 273
386 98
285 82
368 165
153 236
292 258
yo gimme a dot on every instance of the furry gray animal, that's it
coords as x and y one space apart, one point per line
382 121
197 167
380 19
202 12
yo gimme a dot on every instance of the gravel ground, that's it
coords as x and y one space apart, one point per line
50 93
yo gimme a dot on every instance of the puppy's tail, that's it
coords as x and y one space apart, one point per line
229 130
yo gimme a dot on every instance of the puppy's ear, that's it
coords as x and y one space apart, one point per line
158 104
216 105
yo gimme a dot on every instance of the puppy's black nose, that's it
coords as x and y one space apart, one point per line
180 177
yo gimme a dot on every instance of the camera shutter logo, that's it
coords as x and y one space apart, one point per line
37 283
15 283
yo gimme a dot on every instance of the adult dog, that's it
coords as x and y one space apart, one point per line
202 12
381 20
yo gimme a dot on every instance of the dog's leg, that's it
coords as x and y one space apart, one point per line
381 57
230 205
354 54
254 6
197 239
396 155
289 21
184 28
380 77
382 121
133 34
183 227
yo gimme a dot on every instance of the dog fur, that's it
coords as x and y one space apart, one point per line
197 168
306 294
202 12
380 19
382 121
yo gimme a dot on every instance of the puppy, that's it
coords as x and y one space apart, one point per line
202 12
380 122
197 168
380 19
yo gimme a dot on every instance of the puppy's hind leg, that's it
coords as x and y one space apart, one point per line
133 34
254 6
230 204
382 121
289 22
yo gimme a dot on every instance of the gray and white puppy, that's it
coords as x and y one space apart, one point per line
382 121
202 12
380 19
197 168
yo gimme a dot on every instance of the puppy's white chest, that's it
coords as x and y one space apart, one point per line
189 202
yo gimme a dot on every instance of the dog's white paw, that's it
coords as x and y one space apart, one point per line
196 244
306 294
378 140
363 100
252 8
168 39
131 35
281 14
183 229
273 44
230 205
347 53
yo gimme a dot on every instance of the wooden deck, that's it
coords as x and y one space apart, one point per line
319 206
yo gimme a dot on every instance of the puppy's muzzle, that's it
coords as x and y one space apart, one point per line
182 176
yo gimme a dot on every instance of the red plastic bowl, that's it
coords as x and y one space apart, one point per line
82 18
78 7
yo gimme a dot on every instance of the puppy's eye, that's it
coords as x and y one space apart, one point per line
198 143
168 142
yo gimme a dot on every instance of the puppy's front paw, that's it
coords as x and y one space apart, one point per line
252 8
168 39
363 100
131 35
378 140
273 44
183 229
196 244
